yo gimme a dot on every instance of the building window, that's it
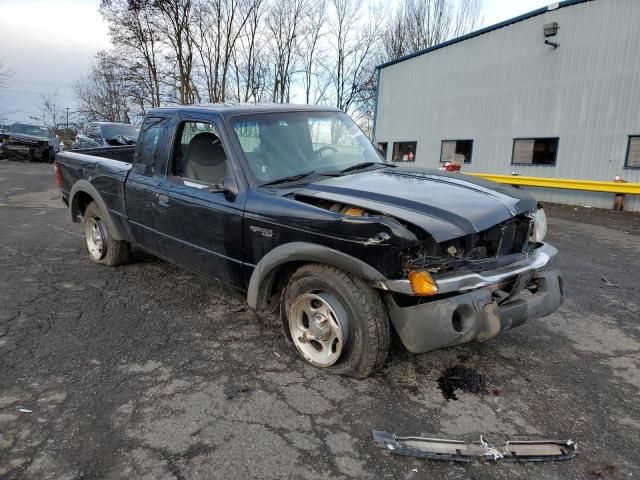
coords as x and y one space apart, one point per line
382 148
633 152
404 151
535 151
459 151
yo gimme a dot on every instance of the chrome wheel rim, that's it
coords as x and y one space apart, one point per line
318 326
94 237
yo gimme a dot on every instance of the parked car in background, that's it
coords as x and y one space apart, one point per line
106 134
3 131
27 142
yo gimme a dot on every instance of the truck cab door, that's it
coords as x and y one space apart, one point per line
202 222
182 213
141 186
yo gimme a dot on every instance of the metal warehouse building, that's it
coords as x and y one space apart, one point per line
553 93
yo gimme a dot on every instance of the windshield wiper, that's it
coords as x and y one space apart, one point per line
289 178
360 166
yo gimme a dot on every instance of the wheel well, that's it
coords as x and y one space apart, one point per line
273 270
274 283
80 202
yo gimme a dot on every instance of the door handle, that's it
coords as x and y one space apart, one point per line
163 200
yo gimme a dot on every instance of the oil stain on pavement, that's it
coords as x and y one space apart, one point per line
461 378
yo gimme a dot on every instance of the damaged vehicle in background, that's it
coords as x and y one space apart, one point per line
26 142
106 134
294 206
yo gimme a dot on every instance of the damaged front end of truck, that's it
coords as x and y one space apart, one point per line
472 288
443 289
24 148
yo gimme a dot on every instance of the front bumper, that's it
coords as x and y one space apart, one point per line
539 258
25 152
481 313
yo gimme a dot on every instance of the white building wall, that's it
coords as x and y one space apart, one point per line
508 84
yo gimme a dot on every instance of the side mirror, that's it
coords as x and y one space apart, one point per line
230 187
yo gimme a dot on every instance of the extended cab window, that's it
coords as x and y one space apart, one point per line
198 154
144 160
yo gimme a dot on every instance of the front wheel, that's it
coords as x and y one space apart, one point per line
335 321
102 248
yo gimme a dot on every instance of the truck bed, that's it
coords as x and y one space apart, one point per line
122 153
103 168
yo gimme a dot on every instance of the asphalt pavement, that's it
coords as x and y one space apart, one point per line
148 371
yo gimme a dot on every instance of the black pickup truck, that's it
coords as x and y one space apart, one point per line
294 206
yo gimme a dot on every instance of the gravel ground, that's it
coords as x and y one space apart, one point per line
147 371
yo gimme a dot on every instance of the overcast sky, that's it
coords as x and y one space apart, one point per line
50 43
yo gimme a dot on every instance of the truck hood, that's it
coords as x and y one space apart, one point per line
445 205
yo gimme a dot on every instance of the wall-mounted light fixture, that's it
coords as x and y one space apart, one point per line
551 30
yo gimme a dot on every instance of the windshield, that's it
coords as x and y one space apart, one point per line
32 130
112 131
284 144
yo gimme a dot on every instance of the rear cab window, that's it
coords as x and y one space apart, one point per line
146 155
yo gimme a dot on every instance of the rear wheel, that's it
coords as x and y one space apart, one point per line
335 321
102 248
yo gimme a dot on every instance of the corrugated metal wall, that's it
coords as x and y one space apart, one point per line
508 84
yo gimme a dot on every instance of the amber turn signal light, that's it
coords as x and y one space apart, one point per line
422 284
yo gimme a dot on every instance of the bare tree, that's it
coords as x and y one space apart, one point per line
5 74
220 24
394 37
103 95
249 60
319 51
467 16
133 29
420 24
48 109
285 24
312 53
428 22
354 43
176 20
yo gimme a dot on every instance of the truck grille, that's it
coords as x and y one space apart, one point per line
477 250
506 238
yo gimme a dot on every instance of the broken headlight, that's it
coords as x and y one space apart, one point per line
539 229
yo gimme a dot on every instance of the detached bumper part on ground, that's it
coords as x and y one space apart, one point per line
477 449
480 314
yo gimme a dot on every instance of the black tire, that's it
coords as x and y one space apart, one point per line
367 345
111 252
